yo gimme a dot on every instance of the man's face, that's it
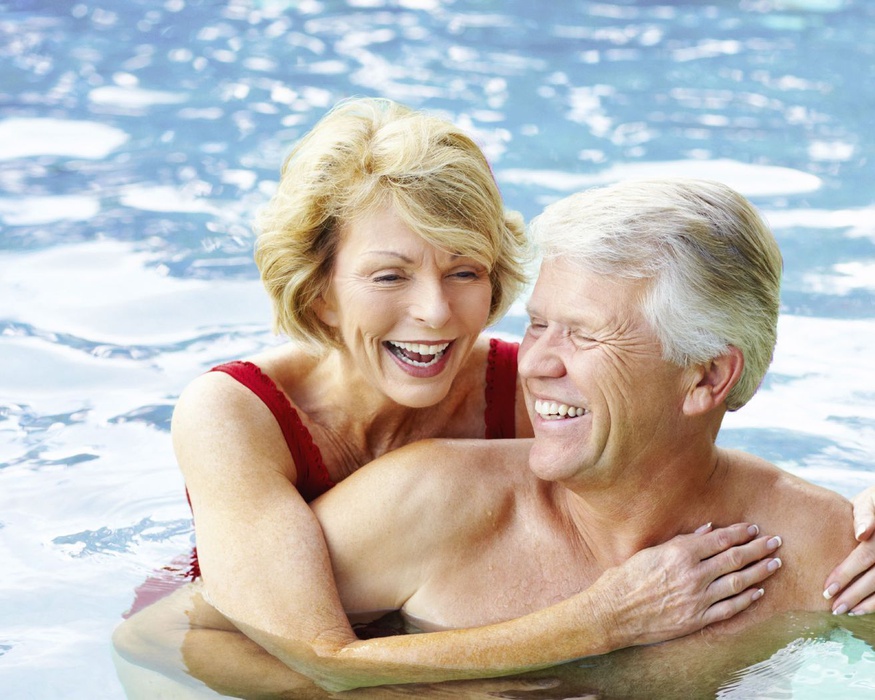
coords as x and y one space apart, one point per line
601 398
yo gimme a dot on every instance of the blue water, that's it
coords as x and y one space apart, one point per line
138 137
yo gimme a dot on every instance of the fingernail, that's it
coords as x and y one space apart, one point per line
855 613
755 530
757 594
840 610
831 591
704 528
860 530
775 542
774 565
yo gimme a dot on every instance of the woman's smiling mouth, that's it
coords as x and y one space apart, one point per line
420 355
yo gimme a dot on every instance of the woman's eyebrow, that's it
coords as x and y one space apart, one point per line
389 254
402 256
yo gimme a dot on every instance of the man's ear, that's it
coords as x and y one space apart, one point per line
711 382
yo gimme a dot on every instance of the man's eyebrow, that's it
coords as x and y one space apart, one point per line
574 321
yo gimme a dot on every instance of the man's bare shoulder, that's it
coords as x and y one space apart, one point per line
396 521
484 458
430 480
446 467
767 485
813 522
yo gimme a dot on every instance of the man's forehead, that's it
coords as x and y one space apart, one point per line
569 293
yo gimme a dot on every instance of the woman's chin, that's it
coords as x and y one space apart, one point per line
415 393
420 399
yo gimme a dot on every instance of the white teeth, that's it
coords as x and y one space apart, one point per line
551 410
417 363
420 348
436 352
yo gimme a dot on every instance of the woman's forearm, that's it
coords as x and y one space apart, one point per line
571 629
628 605
632 604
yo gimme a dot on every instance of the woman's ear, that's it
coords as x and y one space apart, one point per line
712 381
326 309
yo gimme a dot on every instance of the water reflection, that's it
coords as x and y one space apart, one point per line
137 139
794 655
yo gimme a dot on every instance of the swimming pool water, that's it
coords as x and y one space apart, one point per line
137 138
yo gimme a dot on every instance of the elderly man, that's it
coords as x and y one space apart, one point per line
654 313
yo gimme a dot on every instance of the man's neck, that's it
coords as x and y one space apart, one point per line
650 505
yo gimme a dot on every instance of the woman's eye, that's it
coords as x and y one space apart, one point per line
466 272
387 278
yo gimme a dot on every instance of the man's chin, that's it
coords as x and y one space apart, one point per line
551 464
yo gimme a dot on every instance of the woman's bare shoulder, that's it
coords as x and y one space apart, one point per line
287 364
476 360
284 366
218 421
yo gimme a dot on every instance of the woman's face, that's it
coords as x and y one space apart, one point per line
408 313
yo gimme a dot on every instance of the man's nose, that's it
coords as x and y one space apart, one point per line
540 355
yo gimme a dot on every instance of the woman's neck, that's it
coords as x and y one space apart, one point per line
354 422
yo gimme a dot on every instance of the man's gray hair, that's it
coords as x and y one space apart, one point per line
713 264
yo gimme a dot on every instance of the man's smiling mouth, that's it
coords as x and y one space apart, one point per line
552 410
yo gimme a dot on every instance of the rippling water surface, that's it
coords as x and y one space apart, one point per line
137 138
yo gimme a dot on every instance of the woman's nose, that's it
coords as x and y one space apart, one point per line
430 304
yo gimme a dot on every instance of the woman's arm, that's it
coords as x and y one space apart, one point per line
181 643
851 584
265 566
182 636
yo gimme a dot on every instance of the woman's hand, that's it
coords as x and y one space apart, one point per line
864 514
689 582
854 578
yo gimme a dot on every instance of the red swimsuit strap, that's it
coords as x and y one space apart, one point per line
501 371
313 479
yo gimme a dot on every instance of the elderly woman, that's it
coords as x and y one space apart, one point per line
386 252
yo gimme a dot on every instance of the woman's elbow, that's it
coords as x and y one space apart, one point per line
153 637
137 642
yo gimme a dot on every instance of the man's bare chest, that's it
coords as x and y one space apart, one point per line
514 573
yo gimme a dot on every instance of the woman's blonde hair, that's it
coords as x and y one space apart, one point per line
366 153
713 264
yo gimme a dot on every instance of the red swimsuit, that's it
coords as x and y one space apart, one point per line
313 478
